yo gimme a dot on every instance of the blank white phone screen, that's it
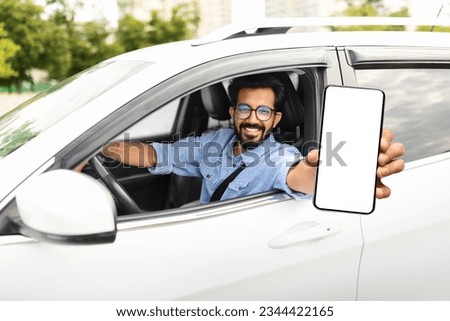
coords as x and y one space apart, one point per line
349 146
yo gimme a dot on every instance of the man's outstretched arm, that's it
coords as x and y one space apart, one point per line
131 153
302 177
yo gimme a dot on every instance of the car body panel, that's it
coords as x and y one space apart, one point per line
228 257
406 242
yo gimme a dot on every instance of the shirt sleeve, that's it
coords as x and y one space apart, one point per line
186 156
181 158
290 157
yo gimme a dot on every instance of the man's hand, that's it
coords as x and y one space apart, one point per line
302 177
389 161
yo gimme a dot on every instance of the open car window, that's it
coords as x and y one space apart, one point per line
205 111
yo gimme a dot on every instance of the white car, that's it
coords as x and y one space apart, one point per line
63 235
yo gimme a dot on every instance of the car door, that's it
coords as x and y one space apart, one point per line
406 240
261 247
265 248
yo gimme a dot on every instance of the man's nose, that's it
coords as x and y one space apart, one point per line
252 117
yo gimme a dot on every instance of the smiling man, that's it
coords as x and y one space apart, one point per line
247 157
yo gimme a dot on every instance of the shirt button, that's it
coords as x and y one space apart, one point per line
208 176
234 165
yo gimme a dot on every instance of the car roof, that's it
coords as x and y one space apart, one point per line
177 51
274 34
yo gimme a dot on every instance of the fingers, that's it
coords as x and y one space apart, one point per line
389 162
395 150
80 167
386 138
396 166
382 191
312 158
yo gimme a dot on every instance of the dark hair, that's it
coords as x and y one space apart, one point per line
266 80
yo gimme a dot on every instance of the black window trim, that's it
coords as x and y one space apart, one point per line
368 57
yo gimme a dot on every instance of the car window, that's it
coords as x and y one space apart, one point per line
204 111
158 123
417 107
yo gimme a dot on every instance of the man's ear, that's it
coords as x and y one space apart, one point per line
231 112
277 119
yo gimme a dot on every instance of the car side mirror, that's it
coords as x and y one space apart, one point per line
66 206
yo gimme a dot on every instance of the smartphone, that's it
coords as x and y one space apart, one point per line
352 121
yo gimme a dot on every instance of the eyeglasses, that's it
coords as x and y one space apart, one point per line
263 113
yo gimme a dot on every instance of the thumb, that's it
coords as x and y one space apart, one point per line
312 158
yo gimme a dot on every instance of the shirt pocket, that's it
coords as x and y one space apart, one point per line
238 185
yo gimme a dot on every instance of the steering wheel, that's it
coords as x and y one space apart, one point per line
128 205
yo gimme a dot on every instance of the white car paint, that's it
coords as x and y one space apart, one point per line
407 237
225 257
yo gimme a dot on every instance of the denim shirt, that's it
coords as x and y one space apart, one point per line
211 158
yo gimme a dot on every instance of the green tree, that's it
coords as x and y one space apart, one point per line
56 58
93 45
370 8
87 43
183 24
131 33
7 50
134 34
41 42
63 16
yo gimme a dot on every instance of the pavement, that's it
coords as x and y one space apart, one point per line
9 101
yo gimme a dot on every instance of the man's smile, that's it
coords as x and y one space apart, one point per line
251 128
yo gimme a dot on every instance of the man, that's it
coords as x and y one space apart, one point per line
264 164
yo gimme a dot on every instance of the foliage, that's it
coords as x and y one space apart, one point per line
21 21
131 33
370 8
7 50
183 24
91 45
55 42
56 57
87 43
134 34
11 140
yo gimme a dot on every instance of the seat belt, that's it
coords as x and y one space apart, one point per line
223 186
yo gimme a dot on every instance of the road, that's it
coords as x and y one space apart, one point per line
9 101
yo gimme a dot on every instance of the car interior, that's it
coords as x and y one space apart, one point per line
202 111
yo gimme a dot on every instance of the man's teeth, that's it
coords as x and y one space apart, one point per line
251 129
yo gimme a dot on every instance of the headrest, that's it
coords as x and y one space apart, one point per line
216 101
293 110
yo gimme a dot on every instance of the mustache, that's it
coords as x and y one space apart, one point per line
251 126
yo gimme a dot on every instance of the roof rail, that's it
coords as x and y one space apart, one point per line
282 25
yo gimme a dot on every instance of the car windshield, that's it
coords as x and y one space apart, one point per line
33 117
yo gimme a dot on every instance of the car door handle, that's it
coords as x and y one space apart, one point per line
305 232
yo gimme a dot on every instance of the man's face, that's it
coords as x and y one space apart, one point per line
252 131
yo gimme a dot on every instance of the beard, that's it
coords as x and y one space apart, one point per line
249 141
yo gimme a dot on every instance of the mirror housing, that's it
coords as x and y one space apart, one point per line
66 206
